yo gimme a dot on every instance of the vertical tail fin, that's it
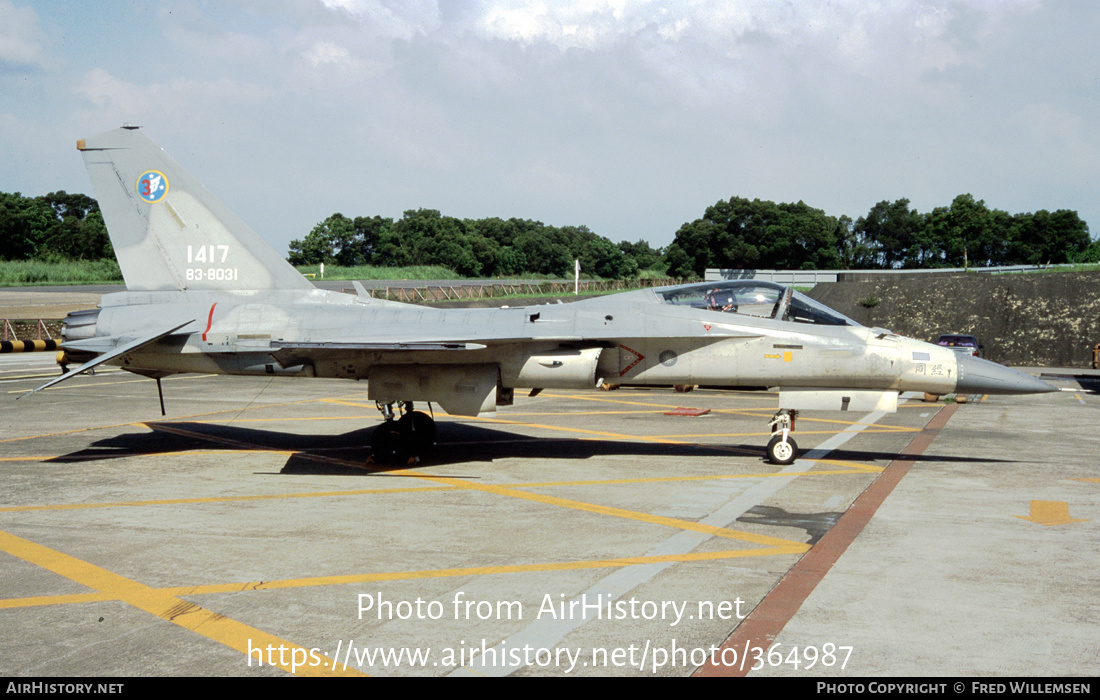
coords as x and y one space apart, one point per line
167 230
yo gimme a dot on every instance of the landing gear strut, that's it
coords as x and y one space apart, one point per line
782 449
402 440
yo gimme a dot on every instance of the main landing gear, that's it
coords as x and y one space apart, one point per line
782 449
402 440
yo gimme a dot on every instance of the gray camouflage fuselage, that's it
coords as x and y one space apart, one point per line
206 294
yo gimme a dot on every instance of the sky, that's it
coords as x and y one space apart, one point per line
630 117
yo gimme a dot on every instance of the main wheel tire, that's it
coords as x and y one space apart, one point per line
419 428
782 451
389 445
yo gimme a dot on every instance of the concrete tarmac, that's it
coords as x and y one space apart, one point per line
576 533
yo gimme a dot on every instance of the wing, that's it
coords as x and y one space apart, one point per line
106 356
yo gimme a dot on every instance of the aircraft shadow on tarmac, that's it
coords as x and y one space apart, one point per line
348 453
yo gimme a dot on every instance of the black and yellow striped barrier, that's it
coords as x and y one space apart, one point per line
27 345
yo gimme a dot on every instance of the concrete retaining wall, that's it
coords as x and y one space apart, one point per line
1050 319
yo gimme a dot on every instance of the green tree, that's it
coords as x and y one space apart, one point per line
1044 238
894 235
645 256
677 260
78 239
24 223
1091 253
333 241
546 250
739 233
369 232
965 233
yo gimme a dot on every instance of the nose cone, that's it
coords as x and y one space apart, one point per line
978 376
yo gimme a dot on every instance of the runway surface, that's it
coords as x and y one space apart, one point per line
576 533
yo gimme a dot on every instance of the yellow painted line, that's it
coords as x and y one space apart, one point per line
673 479
41 600
600 399
748 412
191 417
354 404
855 468
622 513
515 493
74 431
49 375
341 580
190 616
875 427
295 419
709 394
659 411
174 453
1095 481
100 385
582 431
30 458
796 434
880 427
483 570
684 439
222 499
550 500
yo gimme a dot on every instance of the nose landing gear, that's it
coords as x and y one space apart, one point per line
402 440
782 449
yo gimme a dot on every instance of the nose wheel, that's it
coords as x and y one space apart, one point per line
782 449
402 440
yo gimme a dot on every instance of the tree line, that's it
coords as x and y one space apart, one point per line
54 227
490 247
759 234
737 233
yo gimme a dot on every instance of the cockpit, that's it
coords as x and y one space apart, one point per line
755 298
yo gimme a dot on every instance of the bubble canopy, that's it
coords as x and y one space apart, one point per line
755 298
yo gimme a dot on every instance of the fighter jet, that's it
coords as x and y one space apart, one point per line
206 294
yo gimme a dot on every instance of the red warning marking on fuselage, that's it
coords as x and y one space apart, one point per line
209 320
638 357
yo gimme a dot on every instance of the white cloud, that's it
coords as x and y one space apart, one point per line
630 116
20 36
323 52
398 19
174 98
211 47
1060 138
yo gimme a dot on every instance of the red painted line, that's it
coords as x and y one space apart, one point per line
209 320
768 619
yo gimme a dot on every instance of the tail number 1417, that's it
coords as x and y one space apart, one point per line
207 253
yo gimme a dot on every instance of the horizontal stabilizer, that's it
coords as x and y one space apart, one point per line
120 350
